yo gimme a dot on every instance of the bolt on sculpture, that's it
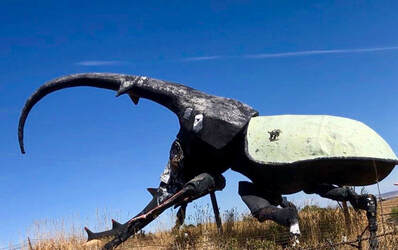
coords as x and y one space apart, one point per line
280 154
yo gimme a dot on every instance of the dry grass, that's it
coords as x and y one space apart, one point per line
319 227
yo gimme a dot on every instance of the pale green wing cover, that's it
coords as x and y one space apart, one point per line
286 139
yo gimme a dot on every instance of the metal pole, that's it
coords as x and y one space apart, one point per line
216 211
347 217
30 244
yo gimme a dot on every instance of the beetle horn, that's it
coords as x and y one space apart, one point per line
220 118
99 80
136 86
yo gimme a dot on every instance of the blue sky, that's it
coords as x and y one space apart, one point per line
87 150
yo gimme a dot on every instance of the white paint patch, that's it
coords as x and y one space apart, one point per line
295 229
139 80
127 84
142 79
198 123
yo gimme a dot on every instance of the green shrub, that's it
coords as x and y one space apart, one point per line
394 214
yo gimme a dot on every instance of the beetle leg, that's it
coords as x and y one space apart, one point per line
365 202
195 188
264 207
180 216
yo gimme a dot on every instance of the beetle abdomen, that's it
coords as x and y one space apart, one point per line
285 139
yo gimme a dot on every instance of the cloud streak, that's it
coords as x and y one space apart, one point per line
319 52
99 63
254 56
203 58
293 54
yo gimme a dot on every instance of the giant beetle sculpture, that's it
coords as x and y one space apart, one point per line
280 154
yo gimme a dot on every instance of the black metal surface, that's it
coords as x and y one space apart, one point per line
223 117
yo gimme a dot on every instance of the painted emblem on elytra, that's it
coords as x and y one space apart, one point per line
274 134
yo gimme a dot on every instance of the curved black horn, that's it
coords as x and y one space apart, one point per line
99 80
221 118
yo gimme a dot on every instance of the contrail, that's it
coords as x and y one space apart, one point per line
99 63
319 52
291 54
203 58
254 56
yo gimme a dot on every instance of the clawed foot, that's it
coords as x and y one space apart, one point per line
295 233
371 214
368 202
295 229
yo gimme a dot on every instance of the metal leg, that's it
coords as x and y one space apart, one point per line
216 211
371 214
180 217
365 202
197 187
264 208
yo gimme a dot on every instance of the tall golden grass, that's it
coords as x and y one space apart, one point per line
320 227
